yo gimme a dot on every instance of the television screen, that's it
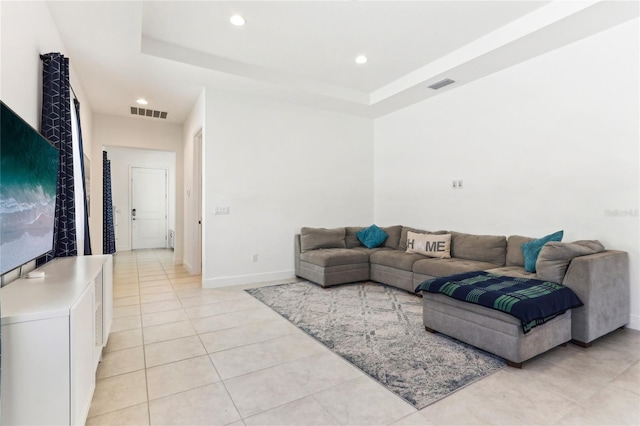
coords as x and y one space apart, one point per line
28 177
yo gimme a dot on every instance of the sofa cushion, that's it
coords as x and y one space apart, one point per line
512 271
444 267
531 249
395 259
317 238
554 258
334 257
369 251
514 250
350 238
394 236
372 236
431 245
483 248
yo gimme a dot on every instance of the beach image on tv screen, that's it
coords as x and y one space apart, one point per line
28 175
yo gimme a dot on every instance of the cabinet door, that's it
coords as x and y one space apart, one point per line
35 372
107 299
82 340
99 317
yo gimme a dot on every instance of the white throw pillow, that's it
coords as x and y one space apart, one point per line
432 245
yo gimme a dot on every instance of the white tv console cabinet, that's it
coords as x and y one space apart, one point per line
53 332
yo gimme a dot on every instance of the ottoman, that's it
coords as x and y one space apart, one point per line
491 330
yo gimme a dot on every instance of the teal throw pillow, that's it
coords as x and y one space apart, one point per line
372 236
531 250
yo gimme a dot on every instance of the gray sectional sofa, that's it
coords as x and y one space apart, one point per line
599 277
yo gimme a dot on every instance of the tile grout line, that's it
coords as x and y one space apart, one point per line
144 349
220 377
144 346
267 367
206 354
144 354
116 375
222 381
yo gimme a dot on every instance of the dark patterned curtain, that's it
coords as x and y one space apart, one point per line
87 237
109 239
56 126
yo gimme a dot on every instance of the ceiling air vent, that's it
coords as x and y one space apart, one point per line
440 84
145 112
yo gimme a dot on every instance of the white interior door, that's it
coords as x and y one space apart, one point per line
148 208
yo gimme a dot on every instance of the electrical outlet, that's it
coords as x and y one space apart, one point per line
454 184
222 210
460 184
254 257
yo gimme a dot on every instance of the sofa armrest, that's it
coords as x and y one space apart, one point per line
601 281
296 251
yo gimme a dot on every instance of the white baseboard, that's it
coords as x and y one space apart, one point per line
248 279
634 322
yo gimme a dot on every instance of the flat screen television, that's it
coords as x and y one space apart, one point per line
28 177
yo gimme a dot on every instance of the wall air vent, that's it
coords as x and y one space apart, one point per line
145 112
440 84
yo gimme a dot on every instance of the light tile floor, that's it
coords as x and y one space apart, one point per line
180 354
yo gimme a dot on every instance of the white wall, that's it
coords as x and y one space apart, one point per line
122 160
546 145
191 127
278 167
28 30
145 133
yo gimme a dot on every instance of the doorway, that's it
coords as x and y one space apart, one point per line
148 208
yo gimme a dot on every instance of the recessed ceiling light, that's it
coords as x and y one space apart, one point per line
237 20
361 59
142 101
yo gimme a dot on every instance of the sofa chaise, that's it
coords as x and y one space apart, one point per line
599 277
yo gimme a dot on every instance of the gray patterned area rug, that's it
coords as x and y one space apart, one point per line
379 330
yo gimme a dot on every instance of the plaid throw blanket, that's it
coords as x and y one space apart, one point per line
532 301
